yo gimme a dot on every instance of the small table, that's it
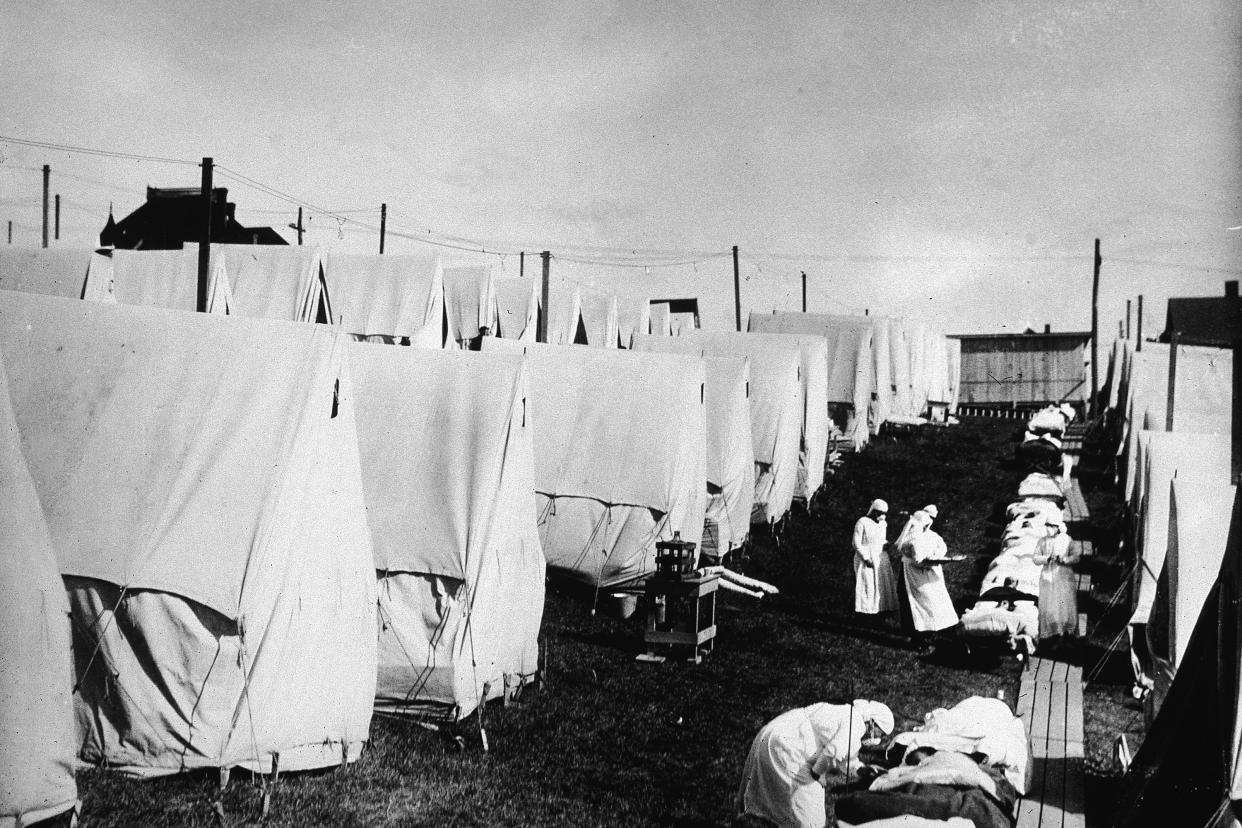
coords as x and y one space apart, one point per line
682 613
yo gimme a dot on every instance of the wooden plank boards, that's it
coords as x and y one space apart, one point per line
1050 706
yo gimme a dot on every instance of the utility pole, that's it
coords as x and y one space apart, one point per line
1095 328
737 292
804 291
57 236
1174 341
1127 319
298 227
47 180
204 238
383 225
1138 340
547 280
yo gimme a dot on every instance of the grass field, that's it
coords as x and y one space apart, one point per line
611 741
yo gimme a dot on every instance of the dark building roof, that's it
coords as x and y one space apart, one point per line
1204 320
172 217
1028 338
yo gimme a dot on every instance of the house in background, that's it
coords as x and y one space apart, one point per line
1204 320
173 217
1024 371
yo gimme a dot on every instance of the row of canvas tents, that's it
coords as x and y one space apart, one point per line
237 506
1175 479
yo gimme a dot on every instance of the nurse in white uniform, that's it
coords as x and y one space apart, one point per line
875 582
796 755
921 551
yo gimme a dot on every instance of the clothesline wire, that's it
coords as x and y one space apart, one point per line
71 148
688 257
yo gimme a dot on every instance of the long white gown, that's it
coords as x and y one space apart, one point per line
930 604
777 784
875 587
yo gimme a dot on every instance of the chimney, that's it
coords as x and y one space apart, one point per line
1047 328
1231 289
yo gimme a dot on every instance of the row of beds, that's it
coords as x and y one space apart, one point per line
970 764
1028 594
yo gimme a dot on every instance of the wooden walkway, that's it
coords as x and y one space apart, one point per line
1050 706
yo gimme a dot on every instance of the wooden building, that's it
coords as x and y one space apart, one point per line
1027 370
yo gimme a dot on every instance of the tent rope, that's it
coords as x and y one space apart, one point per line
1116 596
115 677
599 575
474 665
424 672
586 548
100 638
1099 665
245 668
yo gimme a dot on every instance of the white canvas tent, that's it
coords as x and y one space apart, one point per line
633 317
1167 455
953 355
850 362
469 303
900 361
517 309
388 297
275 281
201 484
661 320
620 455
1202 397
448 476
1198 532
47 271
730 452
1189 768
158 279
37 742
776 406
589 318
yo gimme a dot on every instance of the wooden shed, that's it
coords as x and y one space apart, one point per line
1024 370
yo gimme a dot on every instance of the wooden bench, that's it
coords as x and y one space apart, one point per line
1050 707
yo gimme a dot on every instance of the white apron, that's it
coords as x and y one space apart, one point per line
777 784
930 605
875 587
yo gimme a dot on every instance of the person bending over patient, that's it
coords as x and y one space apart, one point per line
795 756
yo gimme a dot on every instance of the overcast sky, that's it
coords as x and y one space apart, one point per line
952 160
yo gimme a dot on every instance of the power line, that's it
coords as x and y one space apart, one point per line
91 151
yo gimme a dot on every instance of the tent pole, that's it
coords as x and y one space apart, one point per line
56 235
1174 341
1127 319
1138 339
204 238
1095 328
737 293
47 177
383 225
804 291
521 264
545 310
